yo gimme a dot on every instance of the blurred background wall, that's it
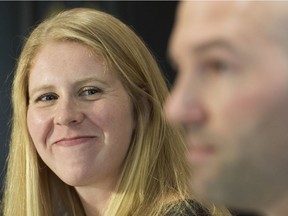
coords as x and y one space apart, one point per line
151 20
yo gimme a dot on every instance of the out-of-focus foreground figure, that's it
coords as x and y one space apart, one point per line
231 97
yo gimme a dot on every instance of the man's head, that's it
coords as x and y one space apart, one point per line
231 97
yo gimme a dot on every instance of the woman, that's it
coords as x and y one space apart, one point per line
88 135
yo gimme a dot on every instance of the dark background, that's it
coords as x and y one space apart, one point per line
151 20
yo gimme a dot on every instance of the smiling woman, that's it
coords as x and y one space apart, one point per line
89 137
81 125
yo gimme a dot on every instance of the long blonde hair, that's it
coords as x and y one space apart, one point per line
155 167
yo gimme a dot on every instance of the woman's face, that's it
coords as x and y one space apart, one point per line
80 117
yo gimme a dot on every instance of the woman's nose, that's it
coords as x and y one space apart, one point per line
68 112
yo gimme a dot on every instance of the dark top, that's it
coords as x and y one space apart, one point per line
188 208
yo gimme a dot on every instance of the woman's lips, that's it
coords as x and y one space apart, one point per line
66 142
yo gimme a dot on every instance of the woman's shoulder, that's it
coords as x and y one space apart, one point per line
187 208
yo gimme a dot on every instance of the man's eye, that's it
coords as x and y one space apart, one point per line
90 91
215 66
47 97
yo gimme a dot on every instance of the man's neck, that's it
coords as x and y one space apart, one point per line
279 208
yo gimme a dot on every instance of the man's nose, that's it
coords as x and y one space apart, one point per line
184 106
68 112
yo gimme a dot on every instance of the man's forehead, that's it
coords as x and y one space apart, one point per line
196 10
264 14
194 30
196 18
197 21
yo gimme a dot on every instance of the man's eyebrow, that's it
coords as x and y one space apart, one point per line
217 43
206 46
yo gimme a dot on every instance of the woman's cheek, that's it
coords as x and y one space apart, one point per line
39 124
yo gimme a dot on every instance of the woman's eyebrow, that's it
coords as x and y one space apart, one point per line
91 79
40 88
78 82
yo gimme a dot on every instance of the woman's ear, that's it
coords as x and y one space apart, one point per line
147 107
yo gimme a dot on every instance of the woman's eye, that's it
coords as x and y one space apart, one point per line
47 97
90 91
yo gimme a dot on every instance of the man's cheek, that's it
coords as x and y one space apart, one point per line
243 110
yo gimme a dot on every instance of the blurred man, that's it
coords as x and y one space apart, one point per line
231 97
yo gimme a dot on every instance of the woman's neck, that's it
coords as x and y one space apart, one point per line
95 199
